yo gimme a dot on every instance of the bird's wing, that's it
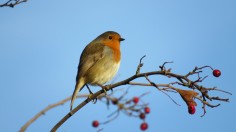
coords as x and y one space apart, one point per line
91 54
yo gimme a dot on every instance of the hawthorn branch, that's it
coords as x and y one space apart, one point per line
156 86
12 3
49 107
164 87
182 80
216 89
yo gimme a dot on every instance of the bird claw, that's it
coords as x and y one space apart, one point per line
111 90
91 93
105 91
93 100
104 88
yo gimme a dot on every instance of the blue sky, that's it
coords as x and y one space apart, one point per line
41 42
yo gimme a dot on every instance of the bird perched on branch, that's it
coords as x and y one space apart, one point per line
99 62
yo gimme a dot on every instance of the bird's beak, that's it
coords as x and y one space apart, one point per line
122 39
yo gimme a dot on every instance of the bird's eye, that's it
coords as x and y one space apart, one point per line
110 37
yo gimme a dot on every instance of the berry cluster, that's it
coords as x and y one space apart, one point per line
191 106
142 115
132 107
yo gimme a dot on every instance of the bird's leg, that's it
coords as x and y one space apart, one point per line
89 89
91 93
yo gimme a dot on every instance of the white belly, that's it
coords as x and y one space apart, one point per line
104 73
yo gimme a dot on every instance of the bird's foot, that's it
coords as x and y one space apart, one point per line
104 88
93 100
91 94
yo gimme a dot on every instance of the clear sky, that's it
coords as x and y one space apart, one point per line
41 42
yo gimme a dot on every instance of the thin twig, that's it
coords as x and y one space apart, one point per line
140 65
12 3
161 90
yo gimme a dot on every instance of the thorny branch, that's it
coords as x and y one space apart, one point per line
182 80
196 91
12 3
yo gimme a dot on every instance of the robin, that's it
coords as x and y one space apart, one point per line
99 62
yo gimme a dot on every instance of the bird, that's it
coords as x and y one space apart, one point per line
99 62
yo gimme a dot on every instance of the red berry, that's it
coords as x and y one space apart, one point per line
216 73
142 116
144 126
147 110
191 109
95 123
135 100
114 101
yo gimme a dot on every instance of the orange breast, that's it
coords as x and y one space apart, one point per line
115 46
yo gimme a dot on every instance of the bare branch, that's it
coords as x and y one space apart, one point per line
183 80
129 108
12 3
216 89
162 67
153 84
42 112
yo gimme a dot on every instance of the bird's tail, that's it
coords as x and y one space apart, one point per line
78 87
